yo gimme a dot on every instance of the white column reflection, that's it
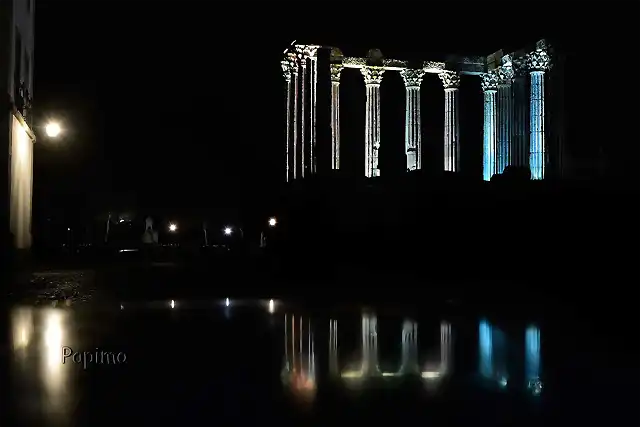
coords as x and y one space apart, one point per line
333 347
299 367
37 340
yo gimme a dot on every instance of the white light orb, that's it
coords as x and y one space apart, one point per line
52 130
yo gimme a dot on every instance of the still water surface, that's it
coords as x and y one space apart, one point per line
261 363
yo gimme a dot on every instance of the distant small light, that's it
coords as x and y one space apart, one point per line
68 229
227 302
173 304
271 306
173 228
121 307
228 231
272 222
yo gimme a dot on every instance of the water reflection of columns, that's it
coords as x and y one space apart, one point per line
370 345
492 353
532 359
485 342
445 347
333 347
299 347
409 348
372 80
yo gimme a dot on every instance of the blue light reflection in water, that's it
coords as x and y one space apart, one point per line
532 360
492 353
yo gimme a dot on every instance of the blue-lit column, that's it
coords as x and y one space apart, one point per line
451 83
336 69
372 80
286 71
505 76
412 124
538 63
489 87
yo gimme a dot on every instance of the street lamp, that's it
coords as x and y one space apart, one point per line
228 231
173 228
52 129
272 222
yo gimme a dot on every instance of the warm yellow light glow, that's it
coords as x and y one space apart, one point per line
173 228
272 222
53 129
22 325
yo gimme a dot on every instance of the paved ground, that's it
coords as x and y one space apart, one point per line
54 287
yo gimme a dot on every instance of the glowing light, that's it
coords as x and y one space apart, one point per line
53 129
271 306
532 353
173 228
228 231
272 222
22 326
227 302
172 304
486 349
121 307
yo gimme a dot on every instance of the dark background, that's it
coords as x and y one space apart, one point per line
180 104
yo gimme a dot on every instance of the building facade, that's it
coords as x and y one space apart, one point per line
16 134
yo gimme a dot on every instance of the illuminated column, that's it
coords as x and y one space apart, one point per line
333 347
505 76
369 345
372 79
286 71
336 69
311 52
538 63
412 126
489 87
293 63
451 82
303 101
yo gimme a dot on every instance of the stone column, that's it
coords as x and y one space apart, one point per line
372 80
489 87
520 111
311 52
286 71
505 76
451 83
412 125
293 63
336 69
303 101
537 63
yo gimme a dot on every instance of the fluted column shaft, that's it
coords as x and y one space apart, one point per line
314 84
537 137
537 62
490 88
335 115
286 70
504 127
451 84
413 126
303 101
520 128
372 79
296 139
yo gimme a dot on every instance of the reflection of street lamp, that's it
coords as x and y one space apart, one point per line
173 228
272 222
52 129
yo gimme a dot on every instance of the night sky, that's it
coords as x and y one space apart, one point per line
168 103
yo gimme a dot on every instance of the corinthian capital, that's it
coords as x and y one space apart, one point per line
372 75
412 77
336 69
490 81
538 60
505 73
292 59
301 54
286 69
450 79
